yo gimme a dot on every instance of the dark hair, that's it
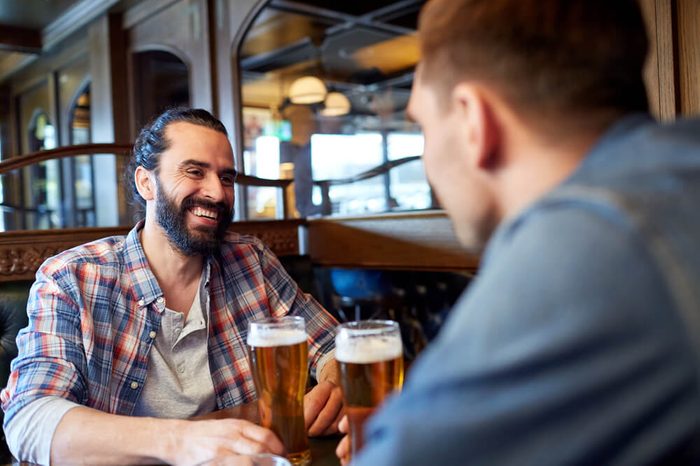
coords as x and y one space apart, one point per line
549 59
151 141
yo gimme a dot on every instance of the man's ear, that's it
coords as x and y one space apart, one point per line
481 128
144 184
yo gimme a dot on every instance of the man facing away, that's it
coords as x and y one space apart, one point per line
128 336
578 341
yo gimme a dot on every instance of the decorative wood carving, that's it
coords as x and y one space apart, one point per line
22 252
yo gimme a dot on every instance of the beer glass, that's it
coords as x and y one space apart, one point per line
279 360
370 359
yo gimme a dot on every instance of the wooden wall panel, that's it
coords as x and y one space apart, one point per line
659 70
688 26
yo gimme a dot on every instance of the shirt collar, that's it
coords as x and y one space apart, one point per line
145 286
144 283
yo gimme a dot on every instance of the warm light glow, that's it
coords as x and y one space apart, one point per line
336 104
307 90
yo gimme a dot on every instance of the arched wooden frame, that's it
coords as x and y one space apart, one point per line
238 144
83 87
131 70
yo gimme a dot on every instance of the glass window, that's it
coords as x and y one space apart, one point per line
325 89
82 204
42 187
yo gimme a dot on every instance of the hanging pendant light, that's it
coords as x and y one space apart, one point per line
307 90
336 104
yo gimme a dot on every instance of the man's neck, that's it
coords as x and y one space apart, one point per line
538 166
173 270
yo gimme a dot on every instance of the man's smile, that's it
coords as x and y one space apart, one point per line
206 213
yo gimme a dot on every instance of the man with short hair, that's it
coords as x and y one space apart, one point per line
128 336
578 341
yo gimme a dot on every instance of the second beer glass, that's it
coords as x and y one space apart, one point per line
370 359
279 360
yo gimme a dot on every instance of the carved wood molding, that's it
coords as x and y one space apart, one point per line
22 252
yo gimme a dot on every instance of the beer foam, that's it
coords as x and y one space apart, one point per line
367 350
261 337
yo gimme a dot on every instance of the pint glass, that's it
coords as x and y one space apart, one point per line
279 361
370 359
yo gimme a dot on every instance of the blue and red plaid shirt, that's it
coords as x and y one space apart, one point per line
94 313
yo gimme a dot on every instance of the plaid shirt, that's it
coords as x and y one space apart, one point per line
94 312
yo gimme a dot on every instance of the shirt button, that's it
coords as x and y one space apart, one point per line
152 334
181 368
160 300
141 302
134 385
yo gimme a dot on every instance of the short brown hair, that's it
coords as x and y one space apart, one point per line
546 58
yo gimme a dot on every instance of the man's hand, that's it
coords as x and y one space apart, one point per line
88 436
342 451
222 441
323 408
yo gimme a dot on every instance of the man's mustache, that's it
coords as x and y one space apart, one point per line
219 207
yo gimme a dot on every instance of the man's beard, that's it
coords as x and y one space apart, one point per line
198 241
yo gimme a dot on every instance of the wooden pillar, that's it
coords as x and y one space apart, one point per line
688 33
109 114
659 70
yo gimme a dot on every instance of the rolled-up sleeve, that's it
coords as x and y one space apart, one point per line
51 359
31 431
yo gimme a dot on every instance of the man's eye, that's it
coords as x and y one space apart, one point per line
228 180
194 172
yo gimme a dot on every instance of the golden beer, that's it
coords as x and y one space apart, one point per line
279 359
370 360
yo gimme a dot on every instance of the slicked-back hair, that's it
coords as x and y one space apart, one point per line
151 141
547 59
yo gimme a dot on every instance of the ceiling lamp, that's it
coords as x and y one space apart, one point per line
336 105
307 90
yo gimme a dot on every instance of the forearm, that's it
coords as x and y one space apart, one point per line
88 436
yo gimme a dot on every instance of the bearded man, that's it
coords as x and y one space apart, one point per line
129 336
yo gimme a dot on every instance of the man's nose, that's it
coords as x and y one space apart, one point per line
213 189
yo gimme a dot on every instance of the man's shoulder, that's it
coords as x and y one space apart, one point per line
234 241
102 252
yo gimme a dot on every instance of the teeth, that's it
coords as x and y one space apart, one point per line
200 212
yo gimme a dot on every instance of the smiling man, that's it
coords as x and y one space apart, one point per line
127 336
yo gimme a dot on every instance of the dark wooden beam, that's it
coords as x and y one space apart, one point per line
19 39
421 240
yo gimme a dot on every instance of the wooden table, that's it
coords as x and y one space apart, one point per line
322 448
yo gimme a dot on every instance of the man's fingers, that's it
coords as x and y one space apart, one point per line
342 451
314 401
264 438
328 416
343 425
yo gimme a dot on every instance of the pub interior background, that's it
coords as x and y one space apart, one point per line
313 94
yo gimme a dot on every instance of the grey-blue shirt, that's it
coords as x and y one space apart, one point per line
578 341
